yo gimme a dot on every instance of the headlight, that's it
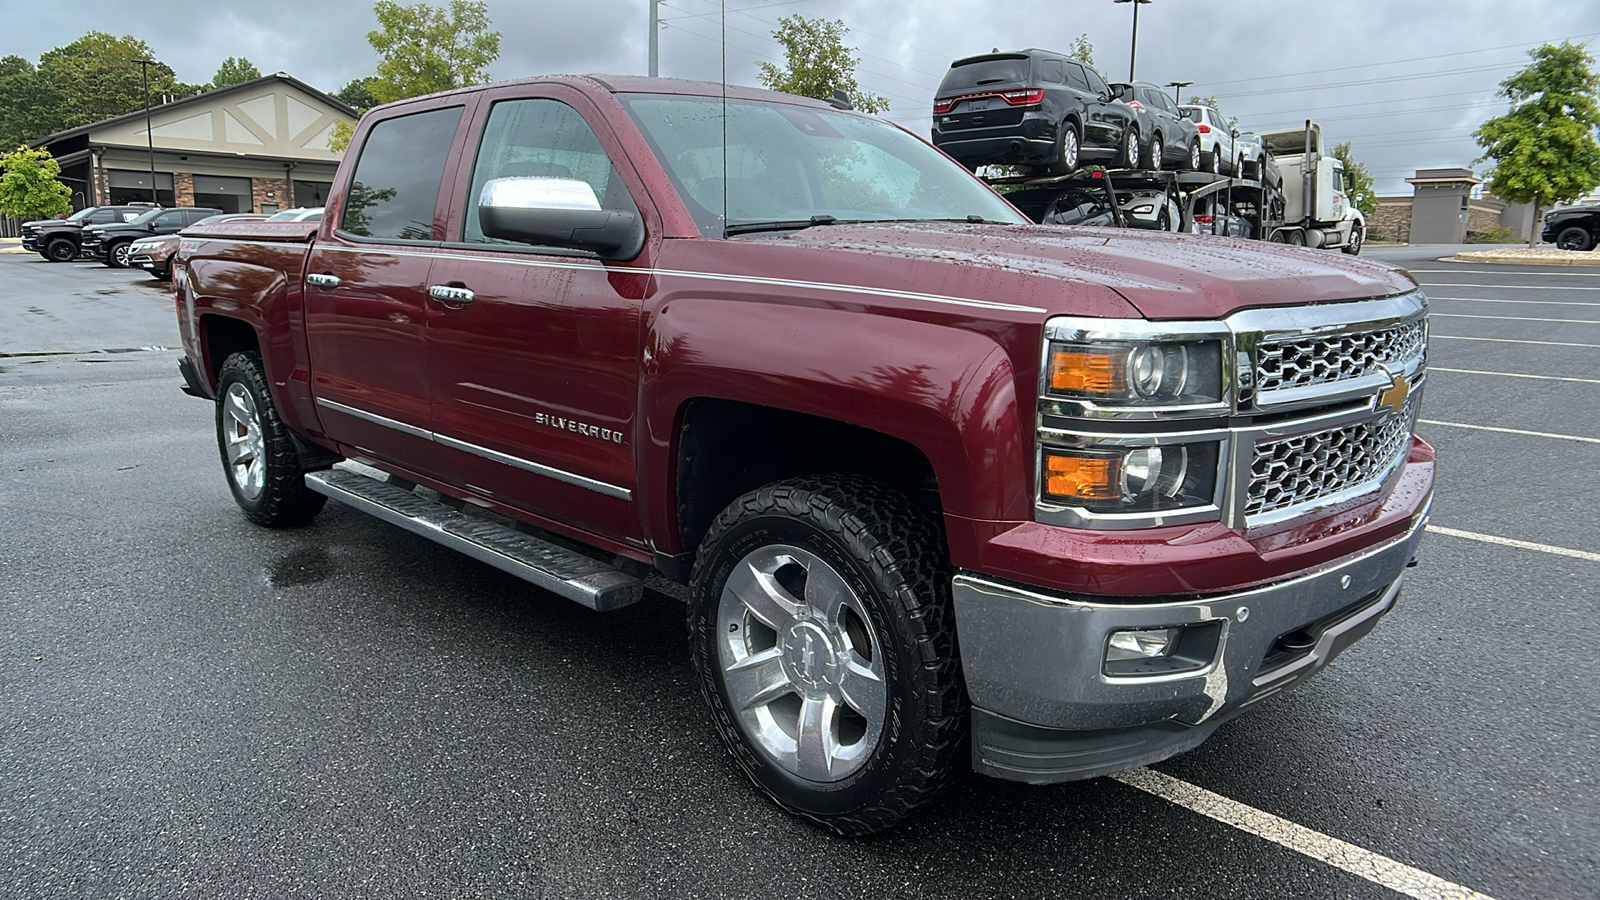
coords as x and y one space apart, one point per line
1137 374
1144 209
1134 480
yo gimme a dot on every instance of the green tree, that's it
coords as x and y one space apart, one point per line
97 77
1233 121
424 49
817 63
28 185
234 70
356 95
1358 180
18 88
1081 49
1544 148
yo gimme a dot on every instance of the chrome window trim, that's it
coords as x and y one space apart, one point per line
1076 424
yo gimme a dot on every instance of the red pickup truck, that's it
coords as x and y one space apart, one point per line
940 481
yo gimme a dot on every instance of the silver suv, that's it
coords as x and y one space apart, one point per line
1217 154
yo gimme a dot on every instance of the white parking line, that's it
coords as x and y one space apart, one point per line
1358 861
1517 431
1509 542
1515 287
1536 302
1513 375
1462 337
1440 315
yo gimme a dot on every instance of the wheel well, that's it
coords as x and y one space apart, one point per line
223 337
727 448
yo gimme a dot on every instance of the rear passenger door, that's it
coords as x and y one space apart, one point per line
366 288
534 371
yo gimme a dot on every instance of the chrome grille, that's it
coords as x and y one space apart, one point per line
1334 358
1310 467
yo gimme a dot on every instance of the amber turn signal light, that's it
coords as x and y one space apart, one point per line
1082 477
1077 370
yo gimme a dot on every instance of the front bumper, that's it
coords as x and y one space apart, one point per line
30 241
1044 709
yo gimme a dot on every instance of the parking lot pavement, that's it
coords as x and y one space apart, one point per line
194 706
50 307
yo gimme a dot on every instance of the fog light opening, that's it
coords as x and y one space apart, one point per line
1155 643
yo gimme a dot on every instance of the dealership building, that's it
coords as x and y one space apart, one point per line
259 146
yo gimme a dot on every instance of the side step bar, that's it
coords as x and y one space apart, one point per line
552 567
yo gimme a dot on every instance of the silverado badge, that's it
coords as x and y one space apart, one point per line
1394 396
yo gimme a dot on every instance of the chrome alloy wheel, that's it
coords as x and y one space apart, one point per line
801 663
121 253
242 433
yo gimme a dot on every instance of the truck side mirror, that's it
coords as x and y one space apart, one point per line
557 212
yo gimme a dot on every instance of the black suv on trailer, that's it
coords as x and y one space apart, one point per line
110 243
1170 137
58 239
1573 228
1033 107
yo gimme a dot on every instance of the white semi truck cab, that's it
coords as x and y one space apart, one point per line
1314 194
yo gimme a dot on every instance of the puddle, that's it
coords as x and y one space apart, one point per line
306 566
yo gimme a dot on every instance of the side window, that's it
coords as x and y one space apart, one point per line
541 138
195 215
174 219
1076 78
103 217
1052 72
396 183
1096 83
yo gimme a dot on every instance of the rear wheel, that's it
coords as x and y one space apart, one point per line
1294 237
1574 238
258 454
823 639
1067 148
60 250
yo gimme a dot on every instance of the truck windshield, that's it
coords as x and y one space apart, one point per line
82 214
786 163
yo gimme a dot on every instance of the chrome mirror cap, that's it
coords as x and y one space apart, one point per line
538 192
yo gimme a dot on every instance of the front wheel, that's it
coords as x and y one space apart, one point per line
1353 246
1130 147
117 254
60 250
1153 154
258 454
823 639
1574 238
1194 156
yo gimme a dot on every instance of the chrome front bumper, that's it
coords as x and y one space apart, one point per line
1045 709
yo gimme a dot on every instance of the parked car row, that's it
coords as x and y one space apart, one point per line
137 235
1047 110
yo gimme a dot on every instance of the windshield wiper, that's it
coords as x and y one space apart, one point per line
789 225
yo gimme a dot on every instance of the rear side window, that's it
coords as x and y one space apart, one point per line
1076 78
984 72
542 139
104 216
396 184
1052 72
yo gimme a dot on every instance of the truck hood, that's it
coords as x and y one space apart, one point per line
1163 276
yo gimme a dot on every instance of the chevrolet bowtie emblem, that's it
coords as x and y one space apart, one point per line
1394 396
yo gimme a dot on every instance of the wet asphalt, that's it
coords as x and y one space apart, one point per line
191 706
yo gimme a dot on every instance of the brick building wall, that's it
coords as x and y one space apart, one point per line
1391 221
269 192
1483 215
102 186
182 189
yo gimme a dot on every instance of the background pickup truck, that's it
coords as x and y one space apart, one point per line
941 482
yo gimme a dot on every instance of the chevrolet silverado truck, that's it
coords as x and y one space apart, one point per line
945 487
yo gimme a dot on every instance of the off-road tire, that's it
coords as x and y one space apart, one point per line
284 498
60 250
892 555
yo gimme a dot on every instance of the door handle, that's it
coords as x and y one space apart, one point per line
447 294
323 280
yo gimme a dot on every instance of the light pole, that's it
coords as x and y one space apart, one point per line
655 38
1134 48
1179 86
149 134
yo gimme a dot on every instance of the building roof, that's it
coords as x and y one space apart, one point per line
206 96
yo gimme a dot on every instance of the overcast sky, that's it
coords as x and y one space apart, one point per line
1405 82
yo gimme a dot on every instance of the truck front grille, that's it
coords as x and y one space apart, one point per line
1310 468
1334 358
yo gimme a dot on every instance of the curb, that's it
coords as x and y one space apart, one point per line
1585 259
